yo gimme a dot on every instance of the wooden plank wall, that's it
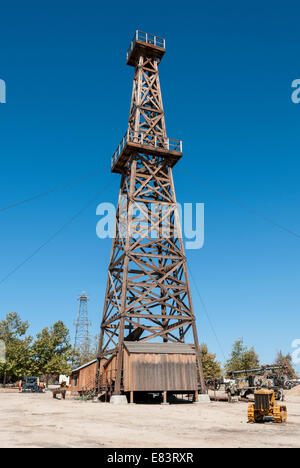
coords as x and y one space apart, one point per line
108 371
159 372
86 377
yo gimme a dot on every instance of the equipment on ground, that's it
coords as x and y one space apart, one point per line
289 384
265 407
31 385
60 391
214 384
270 377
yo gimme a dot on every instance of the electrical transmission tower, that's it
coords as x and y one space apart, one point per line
148 295
82 324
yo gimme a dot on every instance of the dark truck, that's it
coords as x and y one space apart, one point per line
31 385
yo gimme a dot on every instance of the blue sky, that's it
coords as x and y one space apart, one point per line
226 81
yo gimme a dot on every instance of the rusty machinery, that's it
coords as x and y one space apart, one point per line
271 377
264 407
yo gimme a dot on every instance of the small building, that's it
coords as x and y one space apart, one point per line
165 368
159 367
83 378
153 367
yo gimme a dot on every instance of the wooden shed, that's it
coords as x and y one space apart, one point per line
83 377
147 367
159 367
154 367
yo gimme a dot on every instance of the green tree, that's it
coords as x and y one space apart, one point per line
211 367
52 351
241 358
286 361
18 359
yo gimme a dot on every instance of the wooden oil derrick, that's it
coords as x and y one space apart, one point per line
148 295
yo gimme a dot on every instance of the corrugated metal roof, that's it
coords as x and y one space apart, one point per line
84 365
159 348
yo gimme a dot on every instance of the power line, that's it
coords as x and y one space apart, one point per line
53 236
48 192
207 314
247 208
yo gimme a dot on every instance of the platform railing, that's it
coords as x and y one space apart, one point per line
144 139
148 39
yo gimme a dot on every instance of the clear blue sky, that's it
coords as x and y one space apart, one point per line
226 81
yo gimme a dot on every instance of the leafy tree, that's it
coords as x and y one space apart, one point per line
18 360
287 361
12 327
211 367
52 351
241 358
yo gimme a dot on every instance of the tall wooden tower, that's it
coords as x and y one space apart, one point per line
148 296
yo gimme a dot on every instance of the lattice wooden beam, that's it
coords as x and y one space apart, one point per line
148 286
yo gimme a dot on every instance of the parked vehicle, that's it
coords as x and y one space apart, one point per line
32 385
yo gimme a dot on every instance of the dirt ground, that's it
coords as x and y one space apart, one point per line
39 421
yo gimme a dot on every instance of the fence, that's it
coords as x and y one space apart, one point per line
148 39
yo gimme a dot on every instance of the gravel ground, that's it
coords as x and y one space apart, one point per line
39 421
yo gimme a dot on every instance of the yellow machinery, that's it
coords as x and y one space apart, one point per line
265 407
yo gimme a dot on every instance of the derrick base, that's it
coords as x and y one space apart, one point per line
153 367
